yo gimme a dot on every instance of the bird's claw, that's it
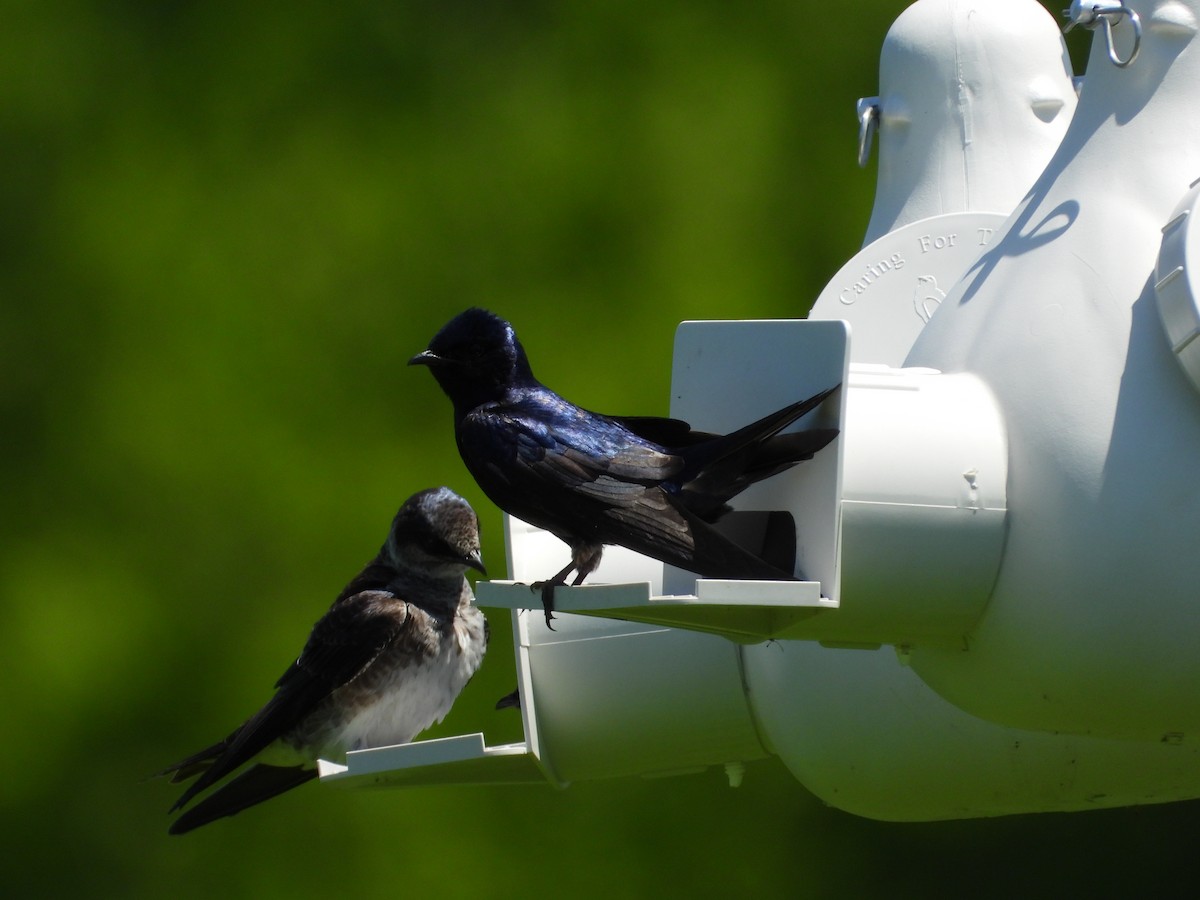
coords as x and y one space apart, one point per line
546 588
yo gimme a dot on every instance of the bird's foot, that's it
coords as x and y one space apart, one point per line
547 591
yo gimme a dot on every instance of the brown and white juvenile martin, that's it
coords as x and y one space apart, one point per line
384 663
651 484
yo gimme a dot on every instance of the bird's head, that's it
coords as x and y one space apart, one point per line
435 532
475 357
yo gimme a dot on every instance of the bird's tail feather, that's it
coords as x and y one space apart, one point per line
194 764
781 450
700 456
256 784
258 732
708 493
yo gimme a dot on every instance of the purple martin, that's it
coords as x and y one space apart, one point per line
384 663
653 485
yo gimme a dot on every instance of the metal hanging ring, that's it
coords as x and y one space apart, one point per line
1137 36
1106 16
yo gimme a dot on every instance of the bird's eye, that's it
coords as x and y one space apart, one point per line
435 547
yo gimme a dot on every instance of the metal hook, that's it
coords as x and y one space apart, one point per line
1137 35
868 124
1105 16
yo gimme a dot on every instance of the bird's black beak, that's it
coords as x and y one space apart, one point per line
475 560
426 358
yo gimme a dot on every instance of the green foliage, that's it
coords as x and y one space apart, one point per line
226 227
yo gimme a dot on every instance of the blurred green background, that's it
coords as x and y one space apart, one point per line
225 229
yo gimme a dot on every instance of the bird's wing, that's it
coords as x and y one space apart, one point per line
582 476
556 450
542 437
586 477
665 431
344 642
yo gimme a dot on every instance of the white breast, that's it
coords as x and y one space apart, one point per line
416 696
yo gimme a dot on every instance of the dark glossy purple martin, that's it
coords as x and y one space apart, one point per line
384 663
653 485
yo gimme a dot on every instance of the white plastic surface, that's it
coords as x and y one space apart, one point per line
603 698
875 741
891 288
905 753
726 374
924 507
739 610
463 759
1177 283
1094 622
975 96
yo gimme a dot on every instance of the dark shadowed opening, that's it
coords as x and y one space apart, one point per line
770 535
